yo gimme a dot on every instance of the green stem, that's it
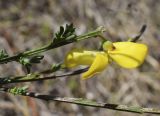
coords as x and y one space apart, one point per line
95 33
37 51
50 46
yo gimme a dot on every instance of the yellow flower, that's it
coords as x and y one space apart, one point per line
125 54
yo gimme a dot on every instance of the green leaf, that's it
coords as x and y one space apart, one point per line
18 90
56 67
28 61
3 54
65 33
36 59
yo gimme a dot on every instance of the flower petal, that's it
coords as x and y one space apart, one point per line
97 66
128 54
79 57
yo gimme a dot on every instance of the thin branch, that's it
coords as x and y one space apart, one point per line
90 103
142 30
37 77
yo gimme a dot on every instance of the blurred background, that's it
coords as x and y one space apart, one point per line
28 24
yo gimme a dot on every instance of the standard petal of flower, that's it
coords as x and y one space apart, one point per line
98 65
128 54
79 57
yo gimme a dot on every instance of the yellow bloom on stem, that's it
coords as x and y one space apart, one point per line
125 54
